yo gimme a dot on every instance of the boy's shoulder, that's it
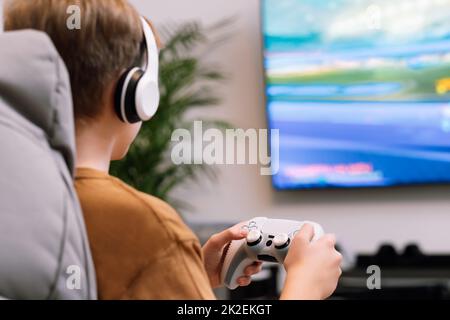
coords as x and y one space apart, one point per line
103 197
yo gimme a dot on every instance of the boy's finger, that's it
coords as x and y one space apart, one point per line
330 239
306 233
252 269
236 232
244 281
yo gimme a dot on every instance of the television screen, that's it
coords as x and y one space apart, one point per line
359 90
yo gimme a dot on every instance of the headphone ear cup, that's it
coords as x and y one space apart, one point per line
119 93
147 98
125 95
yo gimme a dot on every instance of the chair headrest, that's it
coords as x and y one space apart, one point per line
35 83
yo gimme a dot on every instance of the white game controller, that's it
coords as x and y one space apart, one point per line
267 240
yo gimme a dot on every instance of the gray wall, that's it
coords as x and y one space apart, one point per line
360 218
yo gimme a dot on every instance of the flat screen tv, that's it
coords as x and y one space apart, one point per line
359 90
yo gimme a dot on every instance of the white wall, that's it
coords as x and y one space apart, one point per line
360 218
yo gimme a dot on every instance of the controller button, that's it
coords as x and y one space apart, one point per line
269 243
254 237
281 241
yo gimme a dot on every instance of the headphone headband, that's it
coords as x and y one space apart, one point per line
152 51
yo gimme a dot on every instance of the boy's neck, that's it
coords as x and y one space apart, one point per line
94 148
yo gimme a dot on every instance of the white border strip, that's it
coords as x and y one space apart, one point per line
1 16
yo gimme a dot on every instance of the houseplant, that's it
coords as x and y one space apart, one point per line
186 83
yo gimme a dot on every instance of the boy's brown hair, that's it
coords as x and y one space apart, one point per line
108 42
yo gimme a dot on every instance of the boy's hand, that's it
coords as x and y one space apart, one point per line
213 252
313 268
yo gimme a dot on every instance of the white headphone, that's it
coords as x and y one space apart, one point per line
137 93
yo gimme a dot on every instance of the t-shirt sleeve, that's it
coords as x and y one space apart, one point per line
179 275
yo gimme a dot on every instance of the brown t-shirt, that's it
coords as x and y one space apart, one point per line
141 247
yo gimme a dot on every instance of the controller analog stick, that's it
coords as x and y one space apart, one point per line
281 241
254 237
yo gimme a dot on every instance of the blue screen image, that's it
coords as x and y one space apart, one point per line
359 91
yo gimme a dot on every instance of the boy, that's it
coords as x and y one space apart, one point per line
141 247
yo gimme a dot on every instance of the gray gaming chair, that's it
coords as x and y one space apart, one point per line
44 252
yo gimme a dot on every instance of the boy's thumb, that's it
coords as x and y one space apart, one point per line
223 238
